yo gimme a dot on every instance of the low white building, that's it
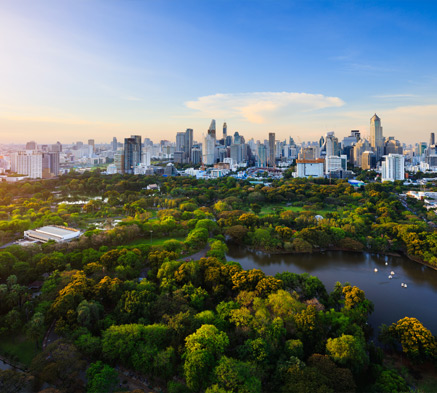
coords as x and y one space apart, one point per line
52 232
310 168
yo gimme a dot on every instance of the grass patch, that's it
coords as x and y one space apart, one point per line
18 348
155 242
270 209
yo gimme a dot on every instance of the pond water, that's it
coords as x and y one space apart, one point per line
392 301
4 366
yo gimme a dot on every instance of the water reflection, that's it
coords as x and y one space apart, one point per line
392 301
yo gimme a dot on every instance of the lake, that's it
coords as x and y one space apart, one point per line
392 301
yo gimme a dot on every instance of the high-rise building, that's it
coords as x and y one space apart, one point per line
262 156
360 147
332 147
114 144
432 139
393 146
91 143
119 162
272 149
393 168
56 147
188 144
27 163
31 145
376 138
208 149
368 160
132 153
225 131
212 129
180 141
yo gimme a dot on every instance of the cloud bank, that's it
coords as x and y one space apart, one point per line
256 107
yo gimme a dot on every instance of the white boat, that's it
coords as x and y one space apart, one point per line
405 285
402 284
390 276
375 270
386 264
392 273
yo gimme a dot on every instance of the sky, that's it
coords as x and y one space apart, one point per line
76 70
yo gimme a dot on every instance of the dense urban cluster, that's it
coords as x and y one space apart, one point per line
145 298
384 157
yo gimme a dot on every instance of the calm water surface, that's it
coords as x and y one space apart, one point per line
392 301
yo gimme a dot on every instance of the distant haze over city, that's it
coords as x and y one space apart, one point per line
77 70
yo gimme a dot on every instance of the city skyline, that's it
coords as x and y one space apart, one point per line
72 70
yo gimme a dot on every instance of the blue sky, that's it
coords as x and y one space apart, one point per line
73 70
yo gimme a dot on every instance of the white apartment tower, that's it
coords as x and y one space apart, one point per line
393 168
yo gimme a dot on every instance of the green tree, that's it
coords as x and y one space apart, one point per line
417 342
101 377
203 348
237 376
348 351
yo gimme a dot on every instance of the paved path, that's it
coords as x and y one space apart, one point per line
197 255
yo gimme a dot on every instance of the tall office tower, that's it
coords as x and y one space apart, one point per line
56 147
225 131
360 147
114 144
236 153
31 145
262 156
147 142
196 155
132 153
392 146
356 134
237 138
91 143
321 141
376 138
332 147
432 139
212 129
188 144
208 148
79 145
272 149
50 164
228 141
368 160
180 141
393 168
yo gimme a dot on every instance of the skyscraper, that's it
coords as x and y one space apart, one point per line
272 149
376 138
92 143
132 153
432 139
114 144
180 141
225 131
188 145
212 129
31 145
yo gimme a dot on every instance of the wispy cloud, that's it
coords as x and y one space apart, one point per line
255 107
396 96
